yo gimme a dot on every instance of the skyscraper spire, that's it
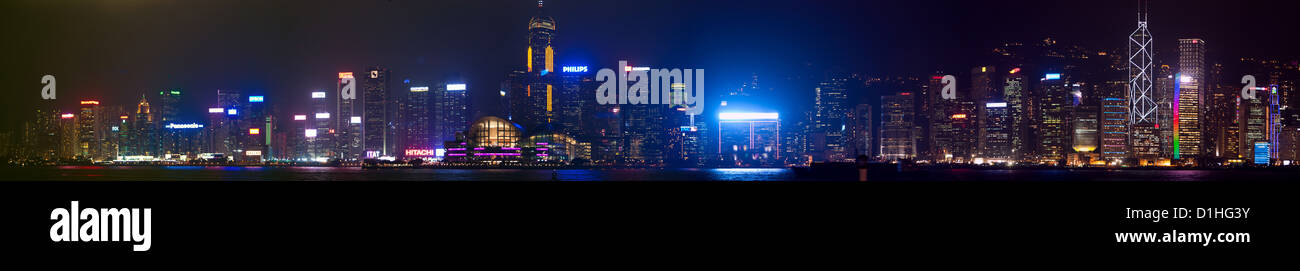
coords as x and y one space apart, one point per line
1143 9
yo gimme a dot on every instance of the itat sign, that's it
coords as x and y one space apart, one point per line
102 225
652 86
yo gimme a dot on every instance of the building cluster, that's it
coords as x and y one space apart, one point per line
1037 103
1045 103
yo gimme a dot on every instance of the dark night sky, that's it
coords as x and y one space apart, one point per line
115 50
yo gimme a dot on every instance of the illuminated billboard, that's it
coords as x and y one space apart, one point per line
310 133
419 89
355 120
748 116
573 69
455 86
1053 76
421 153
322 115
256 99
232 112
253 153
299 117
183 126
216 110
1261 153
995 105
345 75
67 116
318 95
89 102
254 131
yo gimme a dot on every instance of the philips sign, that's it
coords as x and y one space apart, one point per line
573 69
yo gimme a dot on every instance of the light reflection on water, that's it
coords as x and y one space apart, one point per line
222 173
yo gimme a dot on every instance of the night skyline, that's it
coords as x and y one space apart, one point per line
279 48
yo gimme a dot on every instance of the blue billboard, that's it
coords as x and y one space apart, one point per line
1261 153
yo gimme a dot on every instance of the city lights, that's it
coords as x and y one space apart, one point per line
89 102
345 75
995 105
748 116
311 133
299 117
318 95
355 120
322 115
67 116
232 112
256 99
454 87
254 131
419 89
1053 76
216 110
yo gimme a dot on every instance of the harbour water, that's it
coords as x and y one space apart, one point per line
217 173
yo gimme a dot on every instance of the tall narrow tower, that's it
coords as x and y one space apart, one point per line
1143 114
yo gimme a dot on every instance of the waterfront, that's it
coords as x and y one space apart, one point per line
200 173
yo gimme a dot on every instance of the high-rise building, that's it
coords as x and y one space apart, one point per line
981 92
1055 90
749 139
417 120
1144 100
453 111
321 143
830 109
533 105
997 132
1190 81
1015 93
859 134
87 135
1164 145
1083 132
144 129
1114 121
376 120
897 129
348 121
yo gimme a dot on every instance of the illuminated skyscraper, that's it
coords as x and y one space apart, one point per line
981 91
1015 94
749 139
348 121
86 134
997 132
452 111
143 140
1114 121
541 31
830 109
1144 113
534 106
1054 90
897 130
320 144
1190 81
859 136
376 120
417 120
